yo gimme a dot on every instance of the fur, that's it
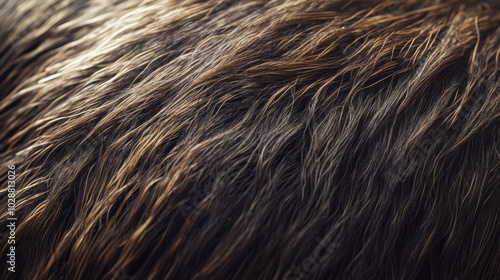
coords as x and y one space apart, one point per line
302 139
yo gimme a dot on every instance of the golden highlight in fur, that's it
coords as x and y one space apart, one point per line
249 139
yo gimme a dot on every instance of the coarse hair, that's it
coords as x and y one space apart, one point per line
251 139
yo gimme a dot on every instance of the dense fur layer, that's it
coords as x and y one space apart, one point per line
251 139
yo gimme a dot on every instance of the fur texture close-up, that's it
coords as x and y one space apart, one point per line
250 139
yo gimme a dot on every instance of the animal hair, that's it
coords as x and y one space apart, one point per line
251 139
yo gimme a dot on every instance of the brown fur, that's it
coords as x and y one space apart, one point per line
252 139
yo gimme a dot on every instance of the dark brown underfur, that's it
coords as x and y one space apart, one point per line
251 139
